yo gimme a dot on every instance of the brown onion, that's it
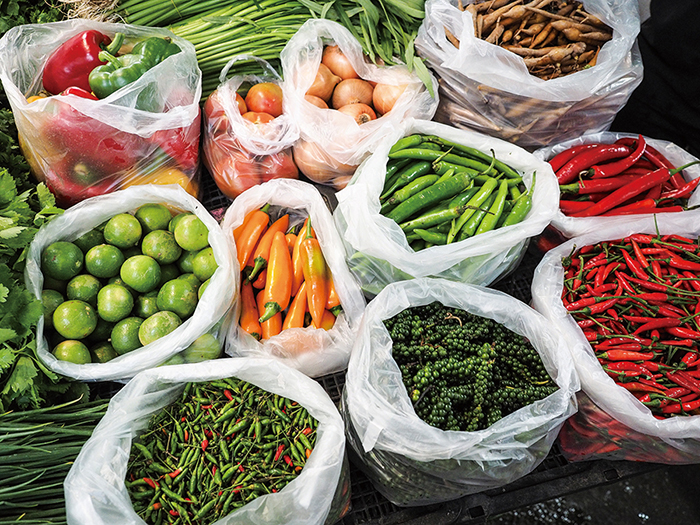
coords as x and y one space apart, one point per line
385 96
324 83
352 91
318 165
362 113
316 101
338 63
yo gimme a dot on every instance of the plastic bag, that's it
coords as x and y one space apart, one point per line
488 88
612 423
572 226
94 487
413 463
315 352
211 308
377 247
144 132
238 153
332 144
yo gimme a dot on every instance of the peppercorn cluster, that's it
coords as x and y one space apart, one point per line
462 371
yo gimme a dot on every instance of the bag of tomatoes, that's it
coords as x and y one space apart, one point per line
298 303
342 102
247 135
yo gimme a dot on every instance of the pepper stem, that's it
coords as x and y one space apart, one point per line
116 44
106 56
271 309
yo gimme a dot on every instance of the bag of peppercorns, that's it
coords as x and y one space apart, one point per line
453 389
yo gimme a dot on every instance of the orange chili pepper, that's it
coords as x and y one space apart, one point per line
333 299
273 325
259 283
291 241
278 287
327 321
238 230
297 310
261 253
249 311
296 260
251 234
316 276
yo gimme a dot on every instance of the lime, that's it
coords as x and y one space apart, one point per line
177 359
73 351
62 260
101 332
185 261
130 252
173 222
104 261
74 319
167 273
89 239
50 299
141 272
161 245
146 304
201 289
157 326
123 230
178 296
102 353
191 233
114 303
191 278
153 216
125 335
54 284
84 287
204 348
204 264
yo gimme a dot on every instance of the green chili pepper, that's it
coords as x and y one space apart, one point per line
521 207
409 174
472 207
412 141
473 223
489 221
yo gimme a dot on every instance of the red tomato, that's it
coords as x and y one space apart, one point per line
258 118
215 117
279 165
265 97
242 108
236 173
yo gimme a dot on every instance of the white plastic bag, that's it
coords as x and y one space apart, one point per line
332 144
94 487
211 308
488 88
315 352
615 414
572 226
413 463
83 147
377 247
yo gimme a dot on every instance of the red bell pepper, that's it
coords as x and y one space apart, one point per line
180 144
73 182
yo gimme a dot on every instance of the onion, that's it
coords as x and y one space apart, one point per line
318 165
385 96
352 91
316 101
362 113
338 63
323 84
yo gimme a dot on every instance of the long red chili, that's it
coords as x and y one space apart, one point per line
565 156
584 160
613 168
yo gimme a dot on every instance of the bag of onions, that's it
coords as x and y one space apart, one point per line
342 103
248 137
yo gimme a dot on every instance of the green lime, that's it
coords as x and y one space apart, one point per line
125 335
102 353
146 304
54 284
173 222
50 299
167 273
191 233
89 239
104 261
73 351
141 272
204 264
157 326
153 216
74 319
185 261
161 245
191 278
204 348
114 303
101 332
130 252
203 287
123 230
84 287
177 359
178 296
62 260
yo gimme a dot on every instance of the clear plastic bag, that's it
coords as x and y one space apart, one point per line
572 226
413 463
211 308
82 147
488 88
337 145
612 423
238 153
94 487
315 352
377 247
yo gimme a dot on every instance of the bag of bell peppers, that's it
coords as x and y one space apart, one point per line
103 106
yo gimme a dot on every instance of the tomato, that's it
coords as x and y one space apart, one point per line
236 173
242 108
265 97
258 118
279 165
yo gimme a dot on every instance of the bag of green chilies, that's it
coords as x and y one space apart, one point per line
96 489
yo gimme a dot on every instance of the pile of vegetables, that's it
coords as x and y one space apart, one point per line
464 372
441 192
636 300
218 447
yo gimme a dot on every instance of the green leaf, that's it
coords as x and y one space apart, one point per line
8 187
424 75
4 292
6 334
21 379
7 357
46 198
10 233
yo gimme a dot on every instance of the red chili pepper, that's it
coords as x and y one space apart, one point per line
228 395
649 382
596 308
639 387
587 187
685 333
663 322
157 505
613 168
206 407
684 380
683 264
634 266
288 460
682 192
640 207
676 408
625 355
565 156
628 365
187 435
151 483
645 283
585 159
570 207
205 444
175 473
173 512
278 453
689 358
